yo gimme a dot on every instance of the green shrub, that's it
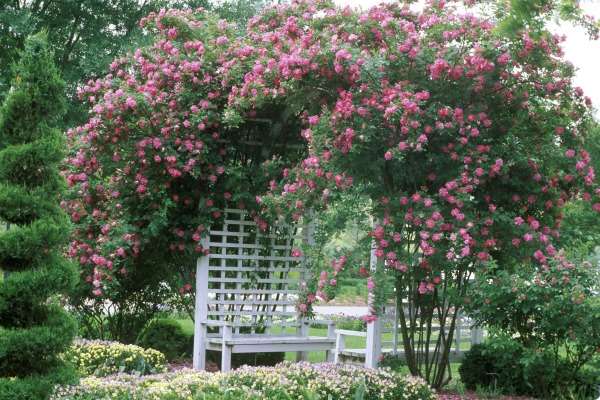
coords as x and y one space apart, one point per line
549 377
102 358
301 381
503 365
393 361
168 337
494 364
34 331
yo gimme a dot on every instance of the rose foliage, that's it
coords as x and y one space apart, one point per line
466 143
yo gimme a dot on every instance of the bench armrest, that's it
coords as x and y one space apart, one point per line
212 322
345 332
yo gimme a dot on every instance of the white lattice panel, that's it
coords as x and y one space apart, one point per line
252 279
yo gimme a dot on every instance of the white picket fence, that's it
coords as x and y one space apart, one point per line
383 337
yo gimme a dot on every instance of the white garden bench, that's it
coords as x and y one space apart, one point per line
246 289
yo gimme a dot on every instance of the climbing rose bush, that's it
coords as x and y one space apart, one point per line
467 145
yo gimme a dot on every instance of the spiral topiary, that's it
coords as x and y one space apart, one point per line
33 330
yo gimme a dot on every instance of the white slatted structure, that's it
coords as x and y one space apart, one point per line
384 338
246 290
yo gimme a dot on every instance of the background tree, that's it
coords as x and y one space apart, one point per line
86 35
33 329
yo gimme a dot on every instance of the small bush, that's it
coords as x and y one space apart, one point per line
168 337
300 381
494 364
504 366
102 358
393 361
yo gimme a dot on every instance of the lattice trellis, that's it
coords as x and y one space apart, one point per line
252 279
246 286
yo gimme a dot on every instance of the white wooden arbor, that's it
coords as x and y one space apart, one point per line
246 289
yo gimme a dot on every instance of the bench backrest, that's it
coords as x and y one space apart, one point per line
249 278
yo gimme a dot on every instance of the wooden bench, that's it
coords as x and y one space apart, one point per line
246 290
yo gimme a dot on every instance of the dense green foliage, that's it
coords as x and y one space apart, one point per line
87 34
33 330
166 336
284 382
493 364
506 366
553 315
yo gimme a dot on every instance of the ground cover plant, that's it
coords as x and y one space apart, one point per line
102 358
285 381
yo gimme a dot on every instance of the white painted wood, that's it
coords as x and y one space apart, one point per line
457 334
396 322
226 349
252 269
302 345
302 332
200 312
249 291
258 302
249 280
344 332
329 355
373 350
340 346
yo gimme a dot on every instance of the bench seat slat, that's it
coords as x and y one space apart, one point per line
249 280
264 339
268 313
252 291
256 269
219 256
254 302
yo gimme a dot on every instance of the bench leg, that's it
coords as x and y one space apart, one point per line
330 354
225 358
302 331
199 360
301 356
340 344
226 350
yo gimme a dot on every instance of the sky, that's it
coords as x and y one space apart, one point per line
584 53
579 49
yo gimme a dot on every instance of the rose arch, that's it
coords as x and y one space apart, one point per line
465 145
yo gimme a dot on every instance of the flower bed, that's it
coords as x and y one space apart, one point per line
102 358
284 381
